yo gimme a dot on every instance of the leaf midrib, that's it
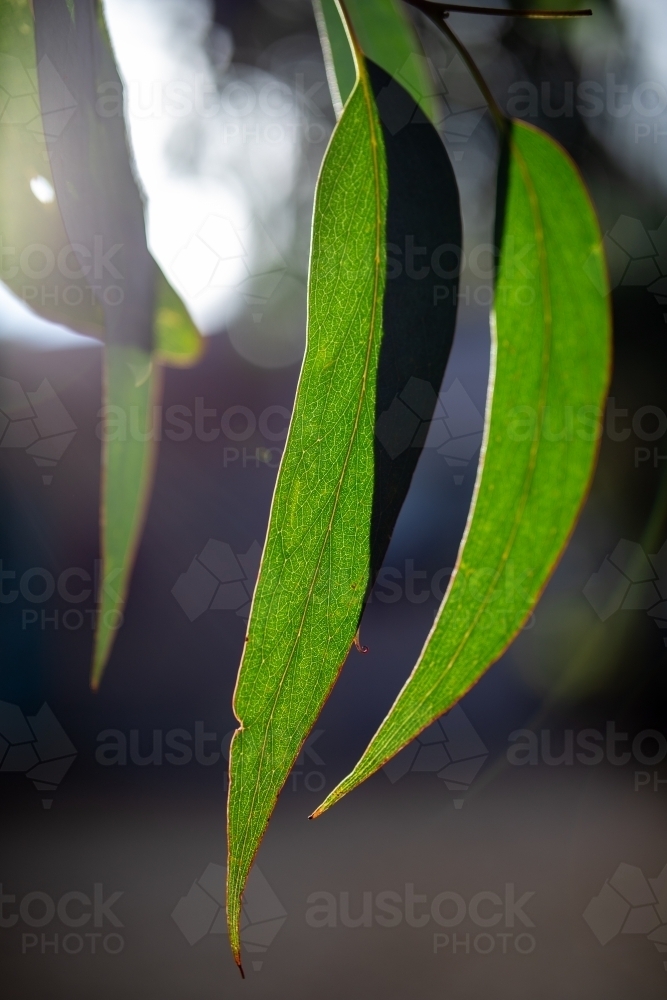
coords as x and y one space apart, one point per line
528 480
368 102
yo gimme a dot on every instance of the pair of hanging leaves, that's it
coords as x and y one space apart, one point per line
339 493
84 258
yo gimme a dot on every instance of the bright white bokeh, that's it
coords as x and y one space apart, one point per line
217 150
216 147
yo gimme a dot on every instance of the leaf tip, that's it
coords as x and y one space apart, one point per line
96 672
321 808
100 659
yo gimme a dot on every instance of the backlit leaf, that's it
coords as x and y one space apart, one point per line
549 373
316 563
177 340
36 262
378 342
131 388
101 211
39 262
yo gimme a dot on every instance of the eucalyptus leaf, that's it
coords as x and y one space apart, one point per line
316 561
62 106
386 37
132 384
549 372
378 342
98 198
36 262
177 341
101 210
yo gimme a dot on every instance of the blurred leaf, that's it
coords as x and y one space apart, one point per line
377 348
178 342
99 201
550 364
36 262
131 389
49 277
386 37
102 213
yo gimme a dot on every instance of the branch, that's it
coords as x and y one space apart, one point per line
443 10
438 14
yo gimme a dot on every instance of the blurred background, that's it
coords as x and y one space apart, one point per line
518 848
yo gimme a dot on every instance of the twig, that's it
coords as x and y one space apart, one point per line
436 13
445 9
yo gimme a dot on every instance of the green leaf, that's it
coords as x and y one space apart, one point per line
316 561
89 196
549 373
99 218
386 36
47 279
51 281
131 388
99 201
338 59
177 340
378 343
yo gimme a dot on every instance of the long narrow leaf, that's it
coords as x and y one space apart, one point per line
101 211
377 348
316 562
549 373
131 386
